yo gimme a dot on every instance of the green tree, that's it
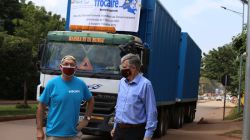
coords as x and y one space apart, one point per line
36 23
9 10
24 26
16 64
239 45
239 42
219 62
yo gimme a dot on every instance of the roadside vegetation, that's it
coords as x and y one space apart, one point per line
19 109
235 133
234 114
23 26
225 60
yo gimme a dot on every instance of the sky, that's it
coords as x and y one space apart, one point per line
209 25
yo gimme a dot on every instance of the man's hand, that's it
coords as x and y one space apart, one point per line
39 121
81 124
40 134
146 138
112 132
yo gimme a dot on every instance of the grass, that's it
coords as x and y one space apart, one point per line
234 114
13 110
234 133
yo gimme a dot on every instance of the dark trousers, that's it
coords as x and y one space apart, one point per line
135 133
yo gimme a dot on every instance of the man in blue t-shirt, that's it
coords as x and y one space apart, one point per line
63 96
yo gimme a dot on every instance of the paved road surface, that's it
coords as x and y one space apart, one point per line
212 112
18 130
26 129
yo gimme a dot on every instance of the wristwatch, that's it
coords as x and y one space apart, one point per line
87 118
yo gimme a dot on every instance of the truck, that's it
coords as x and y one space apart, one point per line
167 61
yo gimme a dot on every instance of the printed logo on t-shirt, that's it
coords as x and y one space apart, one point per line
74 91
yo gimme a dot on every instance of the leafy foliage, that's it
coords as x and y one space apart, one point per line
220 62
9 10
239 42
226 60
16 65
23 27
239 45
36 23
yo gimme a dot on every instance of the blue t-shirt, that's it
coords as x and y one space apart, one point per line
63 99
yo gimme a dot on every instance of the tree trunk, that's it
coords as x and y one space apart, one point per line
25 93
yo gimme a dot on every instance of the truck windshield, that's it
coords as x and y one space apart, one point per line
91 58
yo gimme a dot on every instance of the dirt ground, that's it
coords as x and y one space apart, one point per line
212 110
211 128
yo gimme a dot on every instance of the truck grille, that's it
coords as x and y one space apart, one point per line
104 103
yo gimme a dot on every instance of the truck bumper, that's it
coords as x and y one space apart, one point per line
99 127
94 131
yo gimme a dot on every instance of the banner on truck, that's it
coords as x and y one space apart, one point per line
124 15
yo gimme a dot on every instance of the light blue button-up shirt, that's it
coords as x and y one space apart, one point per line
136 104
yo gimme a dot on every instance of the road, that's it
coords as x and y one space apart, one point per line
212 127
26 129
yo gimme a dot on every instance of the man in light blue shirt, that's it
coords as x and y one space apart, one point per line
136 112
63 96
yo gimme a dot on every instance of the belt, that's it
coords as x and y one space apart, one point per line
126 125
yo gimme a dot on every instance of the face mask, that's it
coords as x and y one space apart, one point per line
68 70
125 72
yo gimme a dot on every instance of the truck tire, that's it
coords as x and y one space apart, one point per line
181 109
176 118
190 115
167 118
161 125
